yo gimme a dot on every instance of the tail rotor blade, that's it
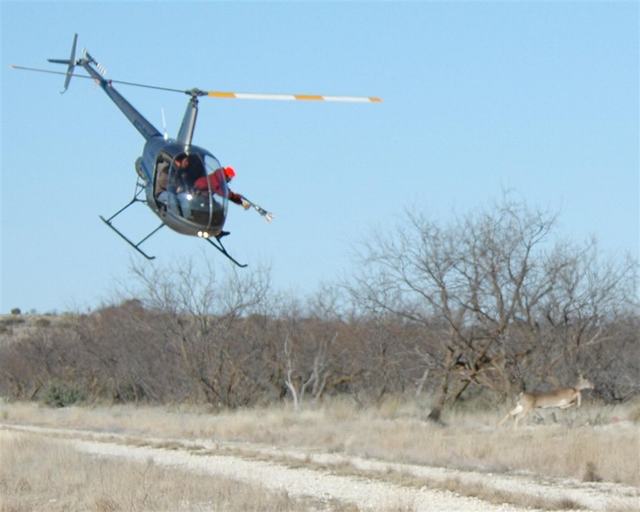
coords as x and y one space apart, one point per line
71 62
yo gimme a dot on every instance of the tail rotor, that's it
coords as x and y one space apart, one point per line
71 63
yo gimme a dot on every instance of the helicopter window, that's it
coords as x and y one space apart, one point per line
185 170
196 168
213 186
187 201
162 179
215 169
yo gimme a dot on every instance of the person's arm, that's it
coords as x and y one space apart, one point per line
235 198
201 183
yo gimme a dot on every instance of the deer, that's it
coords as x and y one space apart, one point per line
562 398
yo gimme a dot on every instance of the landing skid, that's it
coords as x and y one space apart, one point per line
218 245
138 191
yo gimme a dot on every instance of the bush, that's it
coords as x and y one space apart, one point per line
62 395
12 320
43 322
634 414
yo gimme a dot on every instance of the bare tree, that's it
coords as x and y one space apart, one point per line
203 316
312 379
309 335
488 304
483 285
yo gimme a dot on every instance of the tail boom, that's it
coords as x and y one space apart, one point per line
96 72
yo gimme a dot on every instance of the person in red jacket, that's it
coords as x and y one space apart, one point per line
213 182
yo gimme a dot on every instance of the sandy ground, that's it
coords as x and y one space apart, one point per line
322 476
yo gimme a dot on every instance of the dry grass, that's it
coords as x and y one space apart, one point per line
591 444
39 474
457 486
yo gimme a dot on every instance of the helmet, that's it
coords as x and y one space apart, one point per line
229 172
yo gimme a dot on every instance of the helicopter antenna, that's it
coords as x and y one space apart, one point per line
164 125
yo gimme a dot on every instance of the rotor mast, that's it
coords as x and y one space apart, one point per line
188 126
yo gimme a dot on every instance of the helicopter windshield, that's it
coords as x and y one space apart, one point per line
195 190
217 187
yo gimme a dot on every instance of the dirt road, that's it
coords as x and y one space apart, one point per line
366 483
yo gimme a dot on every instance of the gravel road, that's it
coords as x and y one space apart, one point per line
369 484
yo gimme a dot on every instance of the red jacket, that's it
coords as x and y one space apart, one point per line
214 184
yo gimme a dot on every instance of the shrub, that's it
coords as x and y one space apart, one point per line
62 395
43 322
12 320
634 414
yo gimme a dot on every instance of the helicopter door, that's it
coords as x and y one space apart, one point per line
217 191
183 171
161 177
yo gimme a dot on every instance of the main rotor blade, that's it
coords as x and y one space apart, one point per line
122 82
226 95
292 97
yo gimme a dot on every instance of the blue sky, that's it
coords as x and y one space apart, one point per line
539 98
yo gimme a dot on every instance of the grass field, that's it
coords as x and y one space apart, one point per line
44 474
593 443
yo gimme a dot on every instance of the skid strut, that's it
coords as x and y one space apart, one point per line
218 245
136 246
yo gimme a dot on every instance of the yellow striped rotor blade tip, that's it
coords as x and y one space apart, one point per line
221 94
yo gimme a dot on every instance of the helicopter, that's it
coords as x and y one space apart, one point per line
183 184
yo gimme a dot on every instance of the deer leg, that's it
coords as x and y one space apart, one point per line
519 413
504 419
512 412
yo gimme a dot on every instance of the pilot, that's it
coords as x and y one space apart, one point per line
213 182
181 167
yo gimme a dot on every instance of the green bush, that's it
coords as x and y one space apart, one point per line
62 395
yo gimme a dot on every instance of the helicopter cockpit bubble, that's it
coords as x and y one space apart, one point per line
194 193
